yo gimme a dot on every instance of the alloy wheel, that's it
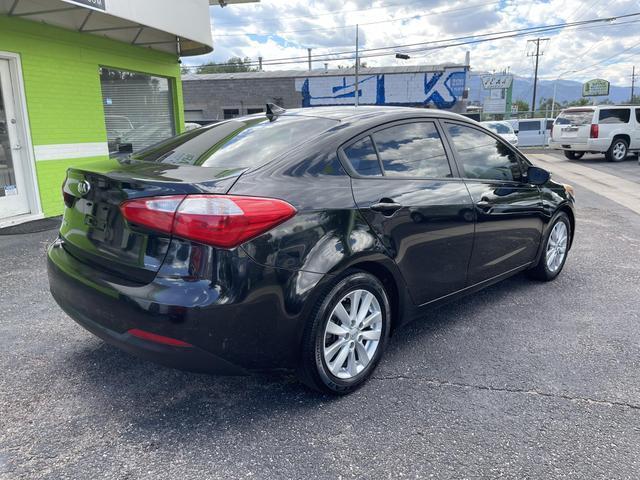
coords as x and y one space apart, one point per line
619 151
557 246
352 334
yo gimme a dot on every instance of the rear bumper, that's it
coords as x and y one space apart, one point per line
231 329
591 145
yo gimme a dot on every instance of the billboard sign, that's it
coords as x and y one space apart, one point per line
494 82
595 88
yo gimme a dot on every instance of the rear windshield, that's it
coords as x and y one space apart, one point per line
237 143
615 115
498 127
575 117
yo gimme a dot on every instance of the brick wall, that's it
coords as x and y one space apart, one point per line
211 97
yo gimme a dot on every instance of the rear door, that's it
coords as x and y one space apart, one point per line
508 210
410 193
530 133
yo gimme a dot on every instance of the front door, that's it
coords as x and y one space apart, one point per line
411 196
509 211
13 196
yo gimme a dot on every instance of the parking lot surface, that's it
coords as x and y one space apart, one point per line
521 380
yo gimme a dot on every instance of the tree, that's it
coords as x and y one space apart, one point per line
581 102
545 106
522 105
233 65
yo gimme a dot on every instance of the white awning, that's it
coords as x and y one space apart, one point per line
182 27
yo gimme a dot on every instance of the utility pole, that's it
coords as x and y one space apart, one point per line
309 54
260 63
535 75
633 83
356 92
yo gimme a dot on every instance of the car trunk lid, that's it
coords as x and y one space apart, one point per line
573 125
93 229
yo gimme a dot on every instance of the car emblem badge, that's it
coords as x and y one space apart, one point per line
84 187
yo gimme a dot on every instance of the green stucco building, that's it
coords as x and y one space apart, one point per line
80 79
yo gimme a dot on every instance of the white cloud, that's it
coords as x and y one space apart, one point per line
295 25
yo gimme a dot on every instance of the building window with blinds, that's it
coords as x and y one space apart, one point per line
138 109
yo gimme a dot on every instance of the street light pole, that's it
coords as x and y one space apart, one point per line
356 93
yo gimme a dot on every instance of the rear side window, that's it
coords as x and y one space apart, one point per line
363 158
483 156
529 126
412 149
638 115
237 143
614 115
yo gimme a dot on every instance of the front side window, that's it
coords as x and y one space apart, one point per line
529 126
138 109
483 156
412 149
614 115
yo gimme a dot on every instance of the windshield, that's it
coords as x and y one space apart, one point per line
247 142
575 117
499 128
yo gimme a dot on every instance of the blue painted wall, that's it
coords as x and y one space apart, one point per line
442 89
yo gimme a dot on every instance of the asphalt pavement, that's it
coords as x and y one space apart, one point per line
521 380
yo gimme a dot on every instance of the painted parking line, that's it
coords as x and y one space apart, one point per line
619 190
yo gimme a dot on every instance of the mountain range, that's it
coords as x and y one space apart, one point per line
567 90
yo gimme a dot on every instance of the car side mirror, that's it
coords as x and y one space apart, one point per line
537 175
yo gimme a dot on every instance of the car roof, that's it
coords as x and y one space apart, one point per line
352 113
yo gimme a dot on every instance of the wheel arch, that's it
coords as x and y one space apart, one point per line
623 136
572 220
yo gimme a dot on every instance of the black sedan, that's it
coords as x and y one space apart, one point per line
300 240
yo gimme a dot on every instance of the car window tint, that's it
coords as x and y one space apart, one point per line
412 149
363 158
529 126
638 115
575 117
243 142
614 115
483 156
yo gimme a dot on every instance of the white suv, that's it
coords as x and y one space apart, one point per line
612 130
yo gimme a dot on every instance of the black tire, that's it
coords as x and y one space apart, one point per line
571 155
313 370
541 271
618 143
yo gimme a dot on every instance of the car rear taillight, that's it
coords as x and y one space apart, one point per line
224 221
593 133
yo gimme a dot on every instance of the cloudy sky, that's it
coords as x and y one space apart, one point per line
277 29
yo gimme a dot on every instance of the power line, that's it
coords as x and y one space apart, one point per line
431 13
334 12
436 43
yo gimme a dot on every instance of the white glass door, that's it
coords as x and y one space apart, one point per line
13 194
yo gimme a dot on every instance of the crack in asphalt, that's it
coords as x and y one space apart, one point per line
489 388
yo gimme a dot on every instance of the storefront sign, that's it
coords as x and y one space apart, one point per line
492 82
595 88
95 4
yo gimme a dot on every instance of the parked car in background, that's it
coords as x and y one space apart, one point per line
534 132
301 239
504 129
612 130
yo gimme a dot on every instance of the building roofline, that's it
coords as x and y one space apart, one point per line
335 72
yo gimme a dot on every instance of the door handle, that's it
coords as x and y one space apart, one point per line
386 207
